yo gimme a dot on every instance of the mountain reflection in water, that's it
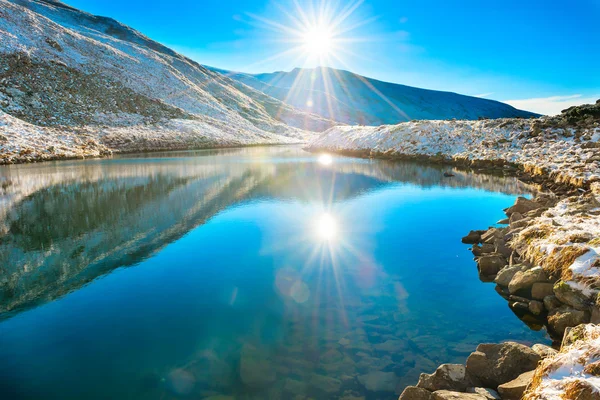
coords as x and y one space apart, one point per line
323 304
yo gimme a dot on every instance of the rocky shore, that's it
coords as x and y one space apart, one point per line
543 257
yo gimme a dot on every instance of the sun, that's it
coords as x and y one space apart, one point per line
317 41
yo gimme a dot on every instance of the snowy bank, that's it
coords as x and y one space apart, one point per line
93 85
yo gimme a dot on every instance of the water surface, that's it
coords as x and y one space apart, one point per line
263 273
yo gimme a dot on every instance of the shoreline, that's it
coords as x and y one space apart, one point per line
499 262
145 152
510 256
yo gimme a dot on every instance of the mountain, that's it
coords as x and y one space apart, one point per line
356 100
63 68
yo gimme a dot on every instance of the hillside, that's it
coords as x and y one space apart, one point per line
356 100
64 71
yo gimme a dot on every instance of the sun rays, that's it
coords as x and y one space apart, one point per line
319 34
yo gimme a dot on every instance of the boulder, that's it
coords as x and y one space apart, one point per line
327 384
526 279
506 274
473 237
495 364
448 395
485 248
539 290
520 224
446 377
491 235
536 307
487 393
295 387
415 393
514 389
515 216
489 265
543 350
564 317
522 206
552 303
571 296
595 319
502 248
256 369
379 381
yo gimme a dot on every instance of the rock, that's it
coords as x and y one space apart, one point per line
448 395
526 279
539 290
379 381
551 303
489 265
522 206
519 306
514 389
415 393
326 384
487 393
391 346
180 382
595 319
503 221
592 368
491 235
256 370
574 335
295 387
571 296
503 249
543 350
446 377
331 356
515 216
520 224
536 307
563 317
495 364
506 274
472 238
485 248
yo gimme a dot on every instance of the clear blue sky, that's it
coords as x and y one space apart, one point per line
544 52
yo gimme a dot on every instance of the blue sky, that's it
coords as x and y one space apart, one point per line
537 55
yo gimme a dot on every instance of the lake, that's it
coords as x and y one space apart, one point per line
257 273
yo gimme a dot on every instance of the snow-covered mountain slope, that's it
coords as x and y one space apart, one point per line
356 100
63 67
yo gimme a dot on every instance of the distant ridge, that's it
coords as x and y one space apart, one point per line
350 98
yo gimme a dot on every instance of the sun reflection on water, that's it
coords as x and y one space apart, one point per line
327 227
325 159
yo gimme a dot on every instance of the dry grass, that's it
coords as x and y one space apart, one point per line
579 390
557 263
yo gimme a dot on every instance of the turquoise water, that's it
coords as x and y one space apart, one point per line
263 273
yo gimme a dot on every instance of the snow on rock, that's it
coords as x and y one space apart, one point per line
63 68
574 372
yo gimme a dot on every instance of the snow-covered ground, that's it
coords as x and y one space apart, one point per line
89 75
556 150
573 373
